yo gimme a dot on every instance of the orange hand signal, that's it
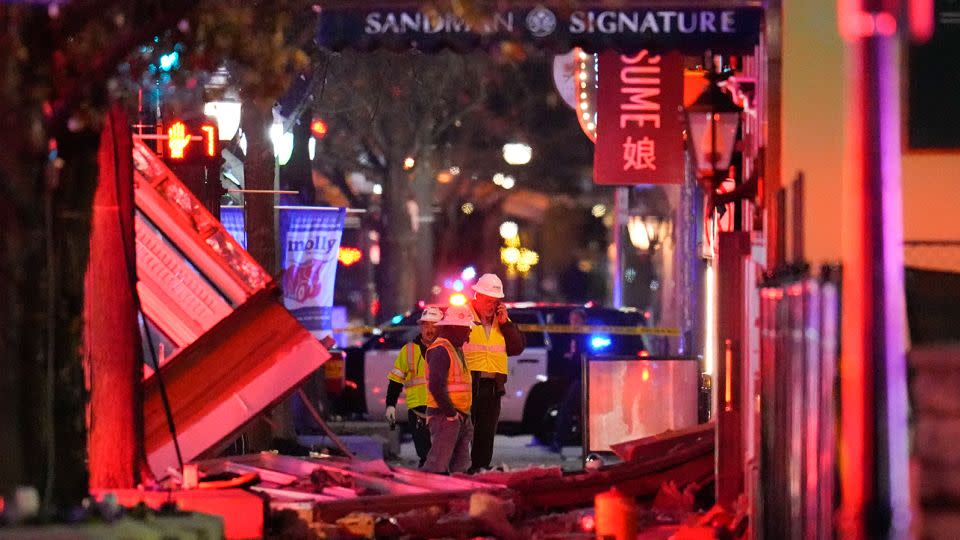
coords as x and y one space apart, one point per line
177 140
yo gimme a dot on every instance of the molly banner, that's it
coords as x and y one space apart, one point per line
309 243
639 119
591 26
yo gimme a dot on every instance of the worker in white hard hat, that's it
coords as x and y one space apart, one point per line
492 339
449 394
409 376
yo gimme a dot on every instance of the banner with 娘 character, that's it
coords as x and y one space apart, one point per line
639 119
309 244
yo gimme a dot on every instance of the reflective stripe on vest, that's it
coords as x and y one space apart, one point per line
411 358
483 352
459 385
412 375
477 347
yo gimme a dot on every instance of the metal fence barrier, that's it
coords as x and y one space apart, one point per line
799 333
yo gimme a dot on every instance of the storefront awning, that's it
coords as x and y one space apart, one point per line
592 27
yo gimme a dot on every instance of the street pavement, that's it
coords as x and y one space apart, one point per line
512 452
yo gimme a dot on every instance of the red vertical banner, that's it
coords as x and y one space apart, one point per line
639 112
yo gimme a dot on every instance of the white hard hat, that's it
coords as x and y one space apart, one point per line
431 314
490 285
457 316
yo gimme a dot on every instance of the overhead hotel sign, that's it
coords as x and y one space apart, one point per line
732 29
639 132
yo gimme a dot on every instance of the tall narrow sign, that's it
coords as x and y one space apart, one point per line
310 240
639 119
309 243
232 219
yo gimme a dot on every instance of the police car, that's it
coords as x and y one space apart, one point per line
538 377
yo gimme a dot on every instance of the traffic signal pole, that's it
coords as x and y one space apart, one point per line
874 436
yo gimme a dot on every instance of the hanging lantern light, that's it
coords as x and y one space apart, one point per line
713 120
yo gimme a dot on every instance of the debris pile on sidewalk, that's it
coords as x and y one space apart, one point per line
334 497
339 498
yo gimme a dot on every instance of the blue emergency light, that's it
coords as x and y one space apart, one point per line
598 343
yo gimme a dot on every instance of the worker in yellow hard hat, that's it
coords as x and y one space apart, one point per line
409 376
492 339
449 394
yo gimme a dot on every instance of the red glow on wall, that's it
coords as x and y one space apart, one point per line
348 256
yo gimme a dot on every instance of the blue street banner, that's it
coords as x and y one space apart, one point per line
554 26
232 219
309 242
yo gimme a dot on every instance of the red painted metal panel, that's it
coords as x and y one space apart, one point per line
243 365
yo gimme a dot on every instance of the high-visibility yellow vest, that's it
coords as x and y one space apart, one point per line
483 352
410 370
459 385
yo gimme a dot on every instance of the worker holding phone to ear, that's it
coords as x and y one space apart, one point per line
492 339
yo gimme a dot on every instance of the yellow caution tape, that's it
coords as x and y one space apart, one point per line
595 329
558 328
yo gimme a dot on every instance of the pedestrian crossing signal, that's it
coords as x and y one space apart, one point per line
192 143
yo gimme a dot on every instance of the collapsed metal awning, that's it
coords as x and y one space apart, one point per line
656 25
236 349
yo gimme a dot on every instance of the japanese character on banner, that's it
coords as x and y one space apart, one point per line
639 155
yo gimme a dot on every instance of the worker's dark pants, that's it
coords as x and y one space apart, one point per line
421 433
486 414
450 452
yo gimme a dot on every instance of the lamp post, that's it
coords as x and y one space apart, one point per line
713 120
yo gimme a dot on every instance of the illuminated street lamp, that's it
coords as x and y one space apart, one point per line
509 229
282 142
223 104
647 232
517 153
713 120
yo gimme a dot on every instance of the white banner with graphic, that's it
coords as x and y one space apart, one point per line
309 243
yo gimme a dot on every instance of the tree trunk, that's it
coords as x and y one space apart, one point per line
425 260
258 173
397 267
44 234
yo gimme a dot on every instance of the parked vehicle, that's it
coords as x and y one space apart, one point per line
539 377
